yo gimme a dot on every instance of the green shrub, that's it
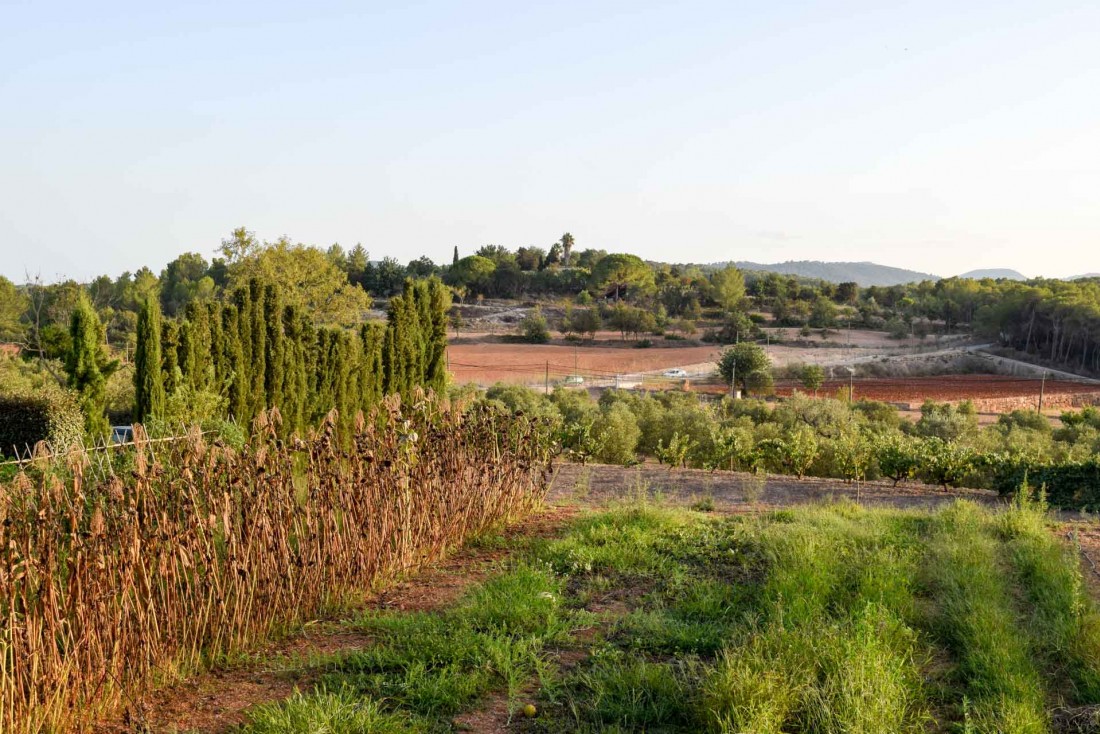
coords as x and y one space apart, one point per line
48 414
898 456
1029 419
534 329
618 431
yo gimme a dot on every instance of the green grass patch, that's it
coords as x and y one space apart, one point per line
976 621
1063 619
821 618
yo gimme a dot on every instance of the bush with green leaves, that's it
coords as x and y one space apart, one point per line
533 328
898 456
675 452
48 413
946 463
947 421
853 454
793 454
618 433
519 399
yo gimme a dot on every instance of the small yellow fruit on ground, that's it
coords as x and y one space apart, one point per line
529 711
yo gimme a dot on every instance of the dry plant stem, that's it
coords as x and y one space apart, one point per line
202 550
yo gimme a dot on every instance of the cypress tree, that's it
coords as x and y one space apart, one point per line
435 371
301 363
148 377
275 345
423 330
169 350
186 353
257 365
344 374
86 365
293 373
215 320
242 300
370 366
233 358
409 339
454 259
196 363
391 366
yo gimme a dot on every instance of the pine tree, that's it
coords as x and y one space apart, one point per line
149 396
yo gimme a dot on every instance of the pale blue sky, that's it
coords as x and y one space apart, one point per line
939 136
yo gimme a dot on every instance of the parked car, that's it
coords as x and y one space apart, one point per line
676 373
573 380
122 434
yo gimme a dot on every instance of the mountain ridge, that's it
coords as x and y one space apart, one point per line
864 273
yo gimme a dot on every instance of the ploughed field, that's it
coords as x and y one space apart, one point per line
491 362
642 616
946 387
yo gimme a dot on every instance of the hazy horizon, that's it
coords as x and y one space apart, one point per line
935 138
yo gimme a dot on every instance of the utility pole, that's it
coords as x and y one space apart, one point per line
576 369
733 380
548 377
1042 390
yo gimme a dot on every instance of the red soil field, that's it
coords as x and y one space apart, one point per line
944 387
526 363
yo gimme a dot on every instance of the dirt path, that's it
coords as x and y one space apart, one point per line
217 701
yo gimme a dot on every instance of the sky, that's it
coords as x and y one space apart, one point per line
936 136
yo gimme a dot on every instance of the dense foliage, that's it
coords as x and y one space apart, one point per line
826 438
254 352
30 416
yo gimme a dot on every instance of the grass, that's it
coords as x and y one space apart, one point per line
1063 619
977 622
829 618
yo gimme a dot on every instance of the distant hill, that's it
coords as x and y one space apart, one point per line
995 274
1086 275
863 273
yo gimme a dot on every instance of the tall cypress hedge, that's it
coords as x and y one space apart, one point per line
260 353
148 376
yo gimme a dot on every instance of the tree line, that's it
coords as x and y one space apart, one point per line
254 351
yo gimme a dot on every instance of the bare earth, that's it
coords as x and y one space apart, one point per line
598 484
492 362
